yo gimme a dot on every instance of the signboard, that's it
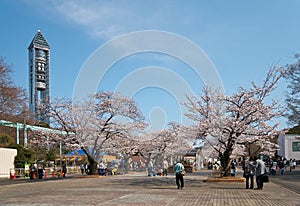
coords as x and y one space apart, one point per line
296 146
26 172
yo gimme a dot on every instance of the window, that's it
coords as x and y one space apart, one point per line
296 146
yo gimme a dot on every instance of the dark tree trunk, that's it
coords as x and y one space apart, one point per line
225 162
93 170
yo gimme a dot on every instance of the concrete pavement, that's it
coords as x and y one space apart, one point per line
139 189
289 180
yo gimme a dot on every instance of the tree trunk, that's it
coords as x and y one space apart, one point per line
93 170
126 166
225 163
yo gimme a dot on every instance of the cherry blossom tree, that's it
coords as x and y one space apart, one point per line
127 147
171 141
228 124
152 145
149 145
97 121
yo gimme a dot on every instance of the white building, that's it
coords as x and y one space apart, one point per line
289 146
7 158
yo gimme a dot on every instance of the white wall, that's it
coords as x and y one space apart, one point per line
286 146
7 158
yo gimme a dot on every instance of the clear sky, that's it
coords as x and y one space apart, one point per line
242 39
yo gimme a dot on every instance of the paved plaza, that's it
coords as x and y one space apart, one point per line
139 189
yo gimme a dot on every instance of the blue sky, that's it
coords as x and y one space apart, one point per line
241 39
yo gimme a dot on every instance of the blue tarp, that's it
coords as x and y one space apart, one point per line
103 154
79 152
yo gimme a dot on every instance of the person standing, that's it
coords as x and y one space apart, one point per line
82 167
261 170
150 168
32 170
291 164
101 168
40 171
232 168
249 171
273 167
64 169
86 168
179 169
294 163
281 167
165 167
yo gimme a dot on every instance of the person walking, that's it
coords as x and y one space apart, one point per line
261 170
179 170
249 171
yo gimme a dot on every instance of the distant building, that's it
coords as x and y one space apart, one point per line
39 66
195 158
289 146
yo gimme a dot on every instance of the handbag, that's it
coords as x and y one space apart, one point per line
265 178
183 173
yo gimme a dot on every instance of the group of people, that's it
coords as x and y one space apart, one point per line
252 167
36 170
86 168
178 170
255 167
103 168
163 171
281 165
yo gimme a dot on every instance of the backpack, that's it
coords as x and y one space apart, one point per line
247 170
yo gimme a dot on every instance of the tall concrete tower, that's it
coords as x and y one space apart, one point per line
39 66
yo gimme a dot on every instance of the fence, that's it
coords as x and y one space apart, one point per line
49 171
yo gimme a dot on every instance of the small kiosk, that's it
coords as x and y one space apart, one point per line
192 160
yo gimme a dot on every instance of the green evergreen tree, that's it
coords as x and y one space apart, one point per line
293 96
24 155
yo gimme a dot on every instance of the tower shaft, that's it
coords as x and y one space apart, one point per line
39 79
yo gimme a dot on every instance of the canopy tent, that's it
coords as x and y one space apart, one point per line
79 155
75 155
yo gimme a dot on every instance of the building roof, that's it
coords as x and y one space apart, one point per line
39 40
192 152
